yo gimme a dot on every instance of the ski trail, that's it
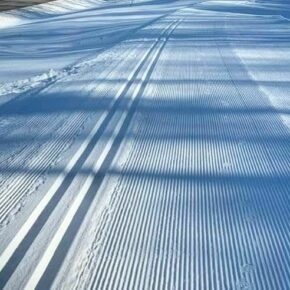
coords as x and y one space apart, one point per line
201 212
48 254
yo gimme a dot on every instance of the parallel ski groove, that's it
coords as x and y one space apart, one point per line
57 238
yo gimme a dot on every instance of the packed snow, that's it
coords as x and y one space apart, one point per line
145 145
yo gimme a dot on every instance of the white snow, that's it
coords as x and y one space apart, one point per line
145 145
7 20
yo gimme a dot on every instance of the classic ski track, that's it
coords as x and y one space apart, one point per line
57 238
109 283
217 214
13 245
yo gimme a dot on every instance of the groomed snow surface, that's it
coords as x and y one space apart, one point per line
145 145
